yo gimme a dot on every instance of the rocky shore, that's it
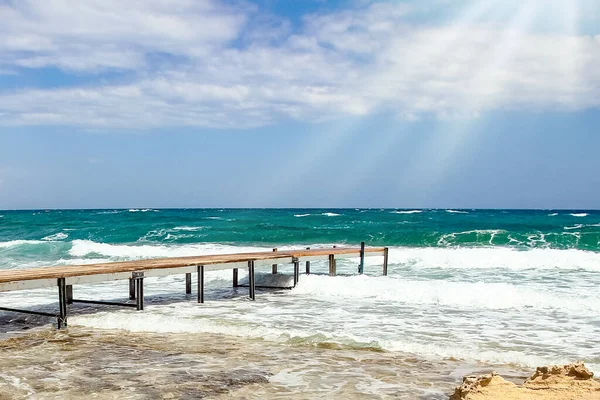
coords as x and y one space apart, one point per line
566 382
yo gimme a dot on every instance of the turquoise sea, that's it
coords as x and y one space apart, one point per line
467 289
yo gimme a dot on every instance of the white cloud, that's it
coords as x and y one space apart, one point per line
352 62
94 34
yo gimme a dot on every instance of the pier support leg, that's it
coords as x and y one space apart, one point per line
361 266
251 280
69 294
296 271
332 266
62 303
201 284
308 264
138 277
131 289
385 261
274 270
235 277
188 283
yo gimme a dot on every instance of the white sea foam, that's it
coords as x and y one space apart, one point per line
12 243
578 226
553 215
408 212
188 321
56 236
214 218
330 214
456 212
472 353
188 228
82 248
339 321
142 210
579 215
463 295
494 258
447 238
301 215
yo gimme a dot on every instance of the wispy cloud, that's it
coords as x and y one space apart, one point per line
206 64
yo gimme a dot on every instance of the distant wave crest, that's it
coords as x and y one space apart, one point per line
56 236
12 243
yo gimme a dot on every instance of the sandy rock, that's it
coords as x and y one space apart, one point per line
576 370
473 384
556 382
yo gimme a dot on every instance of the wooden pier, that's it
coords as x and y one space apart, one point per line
65 277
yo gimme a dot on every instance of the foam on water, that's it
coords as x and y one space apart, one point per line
446 239
456 212
408 212
12 243
330 214
458 295
301 215
82 248
188 228
579 215
431 319
56 236
495 258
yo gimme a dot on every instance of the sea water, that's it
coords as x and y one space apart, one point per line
468 290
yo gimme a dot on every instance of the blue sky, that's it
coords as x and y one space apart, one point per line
272 103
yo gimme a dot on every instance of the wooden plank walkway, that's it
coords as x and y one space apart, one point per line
64 277
69 271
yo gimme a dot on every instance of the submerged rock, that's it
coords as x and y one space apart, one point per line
556 382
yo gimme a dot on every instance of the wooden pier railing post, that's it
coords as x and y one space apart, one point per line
69 294
332 266
296 270
361 266
308 264
201 284
62 303
251 282
235 277
385 261
138 277
131 289
274 265
188 283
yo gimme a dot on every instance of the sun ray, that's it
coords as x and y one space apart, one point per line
453 139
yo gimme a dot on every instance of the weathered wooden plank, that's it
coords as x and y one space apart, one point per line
70 271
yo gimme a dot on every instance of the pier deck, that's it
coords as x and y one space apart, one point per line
64 277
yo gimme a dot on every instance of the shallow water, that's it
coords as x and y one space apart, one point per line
86 363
